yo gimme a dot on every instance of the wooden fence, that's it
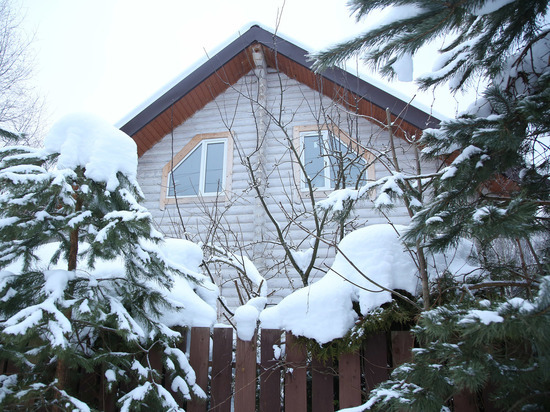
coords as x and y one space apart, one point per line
248 378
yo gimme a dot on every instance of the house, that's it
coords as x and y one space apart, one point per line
237 154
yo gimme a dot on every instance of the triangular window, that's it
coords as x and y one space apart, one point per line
201 172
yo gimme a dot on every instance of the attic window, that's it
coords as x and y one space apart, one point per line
201 172
202 168
331 158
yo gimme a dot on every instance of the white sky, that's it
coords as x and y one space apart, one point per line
108 56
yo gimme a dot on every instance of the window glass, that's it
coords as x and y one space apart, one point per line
326 157
200 172
213 180
314 159
346 161
186 175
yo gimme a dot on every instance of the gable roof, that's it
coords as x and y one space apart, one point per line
235 60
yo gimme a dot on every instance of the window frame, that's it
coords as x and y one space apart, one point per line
202 140
315 130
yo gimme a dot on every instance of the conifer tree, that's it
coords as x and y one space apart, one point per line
494 188
83 280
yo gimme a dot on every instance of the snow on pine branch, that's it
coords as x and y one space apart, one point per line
389 188
84 140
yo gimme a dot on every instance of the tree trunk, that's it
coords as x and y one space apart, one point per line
62 370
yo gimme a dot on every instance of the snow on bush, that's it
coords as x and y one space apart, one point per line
370 262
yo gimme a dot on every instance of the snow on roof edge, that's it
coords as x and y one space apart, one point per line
199 62
182 75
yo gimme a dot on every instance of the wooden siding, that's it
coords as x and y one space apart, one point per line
300 106
195 100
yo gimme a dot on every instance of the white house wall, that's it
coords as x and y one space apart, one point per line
301 106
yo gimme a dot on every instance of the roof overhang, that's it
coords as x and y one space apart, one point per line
234 61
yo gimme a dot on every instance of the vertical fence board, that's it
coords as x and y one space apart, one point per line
270 372
155 360
88 386
295 377
322 391
245 375
222 357
488 405
107 400
375 360
401 342
198 359
465 401
350 379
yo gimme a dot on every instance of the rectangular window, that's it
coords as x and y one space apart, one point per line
329 162
201 172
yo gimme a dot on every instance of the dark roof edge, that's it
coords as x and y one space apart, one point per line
375 95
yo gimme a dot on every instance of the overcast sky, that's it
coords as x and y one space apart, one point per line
108 56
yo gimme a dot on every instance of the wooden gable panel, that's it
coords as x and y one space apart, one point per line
195 100
225 68
336 92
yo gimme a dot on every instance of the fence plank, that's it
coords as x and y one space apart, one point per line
270 372
245 375
295 378
107 399
222 351
155 360
465 401
375 360
401 342
349 370
322 391
88 386
198 359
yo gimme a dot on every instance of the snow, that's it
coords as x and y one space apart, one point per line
110 375
79 405
403 67
490 6
306 312
324 310
466 154
246 317
197 302
254 276
479 214
393 14
449 172
484 316
192 309
190 375
434 219
302 258
277 352
56 282
383 200
86 141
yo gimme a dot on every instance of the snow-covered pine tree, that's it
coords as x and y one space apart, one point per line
83 280
494 189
